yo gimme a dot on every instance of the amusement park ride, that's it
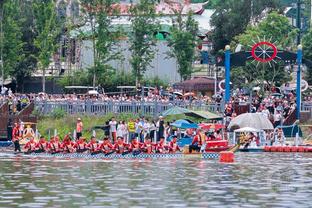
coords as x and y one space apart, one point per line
264 52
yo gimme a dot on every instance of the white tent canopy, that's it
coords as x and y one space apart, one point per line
252 120
247 129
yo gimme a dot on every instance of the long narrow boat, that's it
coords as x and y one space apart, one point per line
207 155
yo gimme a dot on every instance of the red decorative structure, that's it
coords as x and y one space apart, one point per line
264 52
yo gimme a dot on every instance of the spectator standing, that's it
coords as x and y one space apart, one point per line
79 128
160 128
113 129
131 128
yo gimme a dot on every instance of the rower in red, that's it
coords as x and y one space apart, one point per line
148 147
42 145
30 146
92 145
81 145
106 147
161 146
68 145
120 146
135 146
55 145
173 145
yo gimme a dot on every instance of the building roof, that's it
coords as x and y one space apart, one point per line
197 84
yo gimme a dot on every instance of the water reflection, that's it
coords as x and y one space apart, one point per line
254 180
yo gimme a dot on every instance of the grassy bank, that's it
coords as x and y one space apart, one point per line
67 123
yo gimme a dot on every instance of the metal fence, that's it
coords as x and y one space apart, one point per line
102 108
307 107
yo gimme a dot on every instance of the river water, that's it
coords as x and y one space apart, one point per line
254 180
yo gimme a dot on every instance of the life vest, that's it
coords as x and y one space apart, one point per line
93 146
174 146
120 148
31 146
148 147
135 147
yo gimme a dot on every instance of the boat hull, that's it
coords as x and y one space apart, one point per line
120 156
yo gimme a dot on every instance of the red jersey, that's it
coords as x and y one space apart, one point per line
148 147
68 146
30 146
15 134
92 146
197 140
135 146
80 145
161 147
55 146
106 147
120 148
42 145
173 147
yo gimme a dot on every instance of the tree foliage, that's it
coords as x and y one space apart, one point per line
47 29
233 16
182 43
142 42
12 45
99 15
307 53
276 29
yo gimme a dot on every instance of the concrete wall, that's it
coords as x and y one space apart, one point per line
161 66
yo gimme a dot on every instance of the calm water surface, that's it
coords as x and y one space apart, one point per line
254 180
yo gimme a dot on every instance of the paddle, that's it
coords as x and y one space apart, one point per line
109 153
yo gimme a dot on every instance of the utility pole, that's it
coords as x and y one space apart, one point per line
298 21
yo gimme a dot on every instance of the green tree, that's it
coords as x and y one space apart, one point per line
104 36
142 42
47 29
182 43
276 29
307 53
232 17
11 41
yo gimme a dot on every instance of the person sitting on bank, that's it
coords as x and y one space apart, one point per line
42 145
135 146
173 145
81 145
30 146
148 146
55 145
161 146
92 145
197 142
16 135
120 146
106 147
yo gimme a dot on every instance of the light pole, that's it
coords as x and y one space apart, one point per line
298 90
227 73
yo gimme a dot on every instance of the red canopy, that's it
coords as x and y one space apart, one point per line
207 126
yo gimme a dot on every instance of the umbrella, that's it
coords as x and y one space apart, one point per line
184 124
178 93
253 120
189 94
246 129
208 126
175 111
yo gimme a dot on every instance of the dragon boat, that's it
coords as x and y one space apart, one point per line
207 155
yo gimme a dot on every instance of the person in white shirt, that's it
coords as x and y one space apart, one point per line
113 129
